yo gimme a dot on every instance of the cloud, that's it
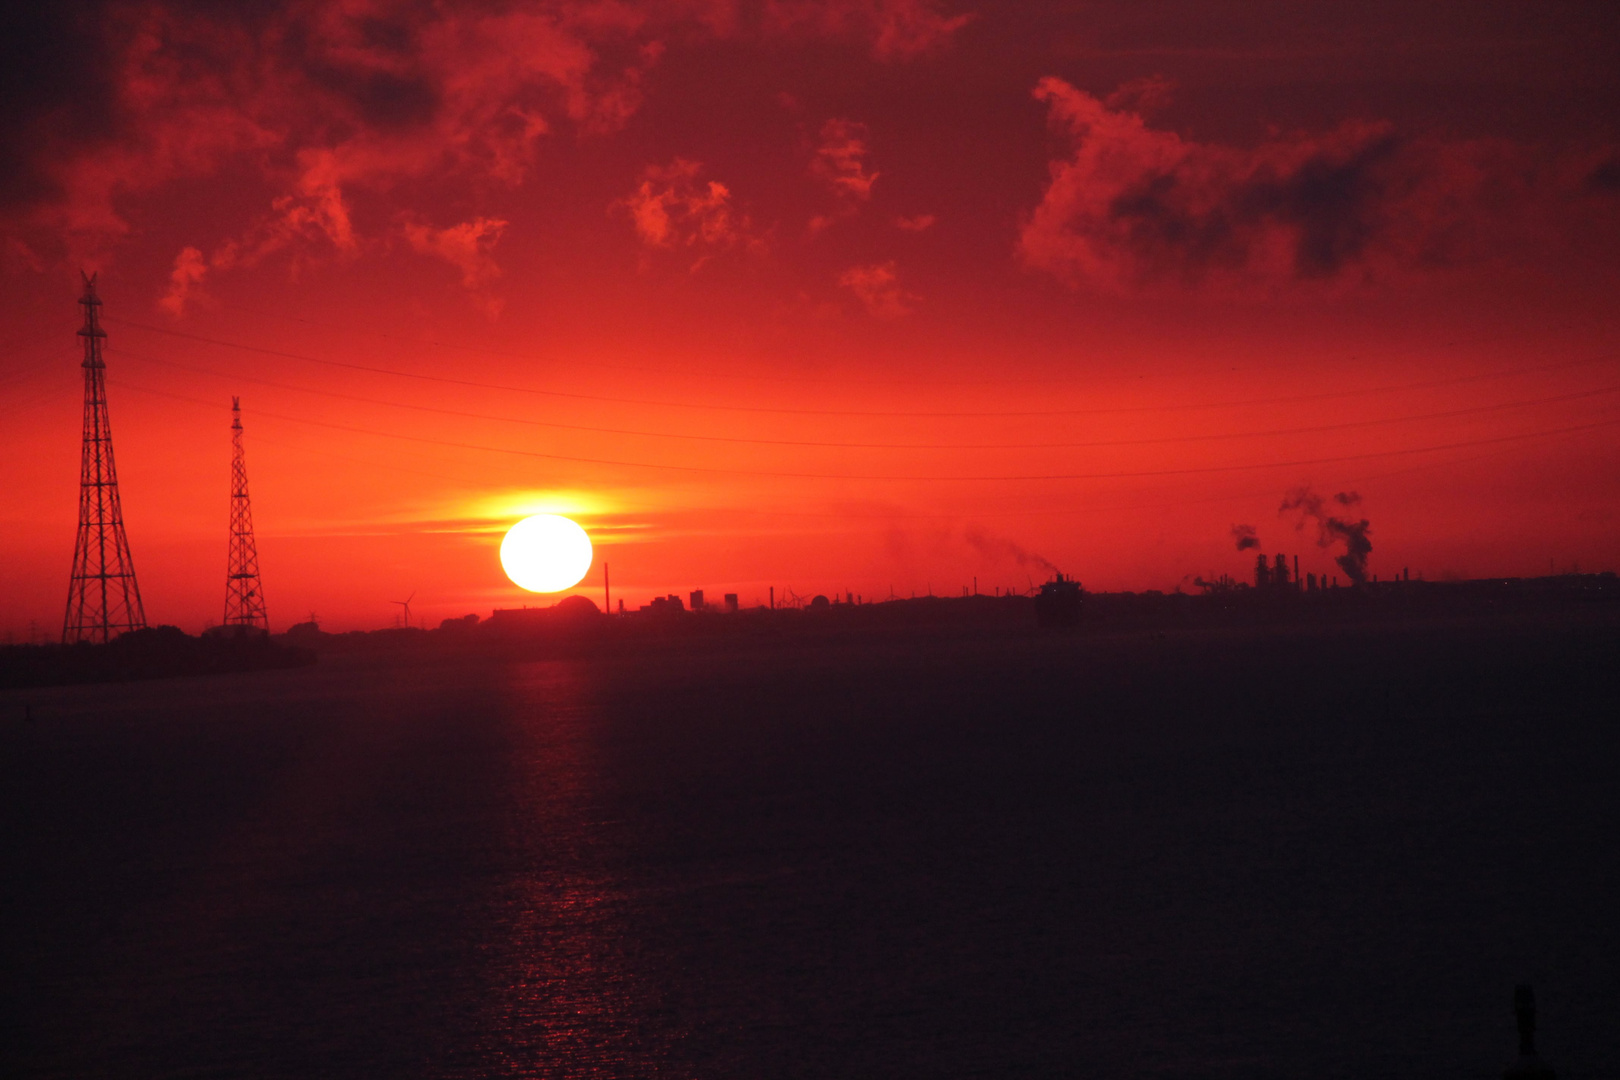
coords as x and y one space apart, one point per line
312 220
897 29
1605 177
1245 537
466 247
316 207
326 102
877 286
342 115
840 160
840 163
919 223
59 84
674 208
189 270
1142 96
1131 205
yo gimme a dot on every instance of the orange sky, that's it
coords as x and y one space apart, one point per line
862 295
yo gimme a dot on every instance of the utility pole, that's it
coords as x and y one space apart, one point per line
244 593
103 599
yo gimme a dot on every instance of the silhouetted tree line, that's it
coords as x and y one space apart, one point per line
155 653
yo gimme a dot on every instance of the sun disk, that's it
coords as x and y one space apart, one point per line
546 553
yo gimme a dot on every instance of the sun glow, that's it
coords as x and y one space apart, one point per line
546 553
505 506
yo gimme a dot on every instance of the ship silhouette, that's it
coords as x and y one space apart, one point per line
1059 601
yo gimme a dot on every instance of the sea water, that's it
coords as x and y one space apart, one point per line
1004 856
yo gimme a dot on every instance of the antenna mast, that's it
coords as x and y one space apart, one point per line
244 595
103 599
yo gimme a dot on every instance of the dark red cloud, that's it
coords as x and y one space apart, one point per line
878 288
331 104
840 160
1143 96
896 28
1132 205
323 100
60 89
676 207
468 247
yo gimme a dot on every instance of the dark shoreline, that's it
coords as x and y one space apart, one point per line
160 652
576 628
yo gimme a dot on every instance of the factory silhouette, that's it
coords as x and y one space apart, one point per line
1273 576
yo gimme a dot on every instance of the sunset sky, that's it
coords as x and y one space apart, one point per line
862 295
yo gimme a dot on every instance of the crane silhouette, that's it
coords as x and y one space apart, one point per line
406 604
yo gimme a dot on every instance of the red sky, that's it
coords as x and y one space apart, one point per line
860 295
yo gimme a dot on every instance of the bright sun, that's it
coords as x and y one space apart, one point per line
546 553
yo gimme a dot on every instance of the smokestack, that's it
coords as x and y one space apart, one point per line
1296 573
607 590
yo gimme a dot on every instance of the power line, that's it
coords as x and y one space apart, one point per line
822 444
40 362
1089 508
1010 478
15 348
1065 511
633 369
1007 414
1540 331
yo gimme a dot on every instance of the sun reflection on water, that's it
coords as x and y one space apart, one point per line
570 997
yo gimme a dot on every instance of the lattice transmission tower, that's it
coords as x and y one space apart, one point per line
244 594
103 599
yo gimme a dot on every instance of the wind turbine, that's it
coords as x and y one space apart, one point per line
406 604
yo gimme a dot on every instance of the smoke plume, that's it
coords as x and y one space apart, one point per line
995 549
1331 529
1246 537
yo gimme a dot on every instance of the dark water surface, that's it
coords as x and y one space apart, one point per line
1281 855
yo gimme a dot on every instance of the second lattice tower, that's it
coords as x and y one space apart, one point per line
244 594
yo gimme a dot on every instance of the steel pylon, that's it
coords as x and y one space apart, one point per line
244 594
103 599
